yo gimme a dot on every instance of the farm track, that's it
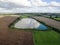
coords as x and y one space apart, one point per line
49 22
12 36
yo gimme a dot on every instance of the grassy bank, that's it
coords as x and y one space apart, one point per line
57 19
46 38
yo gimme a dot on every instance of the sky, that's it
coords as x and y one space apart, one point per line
29 6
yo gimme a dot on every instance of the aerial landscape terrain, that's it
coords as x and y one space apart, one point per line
46 31
29 22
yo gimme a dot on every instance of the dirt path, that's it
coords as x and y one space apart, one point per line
49 22
13 36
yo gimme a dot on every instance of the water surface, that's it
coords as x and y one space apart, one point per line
29 23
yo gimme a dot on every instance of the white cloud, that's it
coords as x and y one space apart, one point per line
33 2
38 3
2 10
34 6
41 3
54 3
36 10
21 2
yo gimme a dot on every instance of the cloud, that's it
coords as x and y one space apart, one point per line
2 10
20 2
32 10
21 6
10 5
33 2
41 3
54 3
38 3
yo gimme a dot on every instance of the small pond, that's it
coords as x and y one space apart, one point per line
30 23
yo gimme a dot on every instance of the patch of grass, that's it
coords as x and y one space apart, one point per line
24 16
46 37
57 18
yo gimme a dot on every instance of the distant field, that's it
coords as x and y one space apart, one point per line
24 16
46 38
57 18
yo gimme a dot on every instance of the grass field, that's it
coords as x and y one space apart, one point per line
46 38
57 18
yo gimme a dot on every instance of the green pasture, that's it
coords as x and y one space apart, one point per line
46 38
57 18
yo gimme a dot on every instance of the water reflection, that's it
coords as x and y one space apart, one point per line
30 23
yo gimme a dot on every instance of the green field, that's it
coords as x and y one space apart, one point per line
46 38
26 16
57 18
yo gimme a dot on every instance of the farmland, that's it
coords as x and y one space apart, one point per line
12 36
49 22
46 38
49 37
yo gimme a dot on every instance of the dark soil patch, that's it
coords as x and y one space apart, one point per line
13 36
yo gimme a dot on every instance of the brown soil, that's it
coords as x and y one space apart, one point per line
49 22
12 36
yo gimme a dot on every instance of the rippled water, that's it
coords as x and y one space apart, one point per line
30 23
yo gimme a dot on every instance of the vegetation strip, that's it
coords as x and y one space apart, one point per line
54 18
46 37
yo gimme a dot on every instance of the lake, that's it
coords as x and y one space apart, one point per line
30 23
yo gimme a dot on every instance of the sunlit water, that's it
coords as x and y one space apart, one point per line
29 23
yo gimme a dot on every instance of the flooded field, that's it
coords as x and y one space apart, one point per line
29 23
